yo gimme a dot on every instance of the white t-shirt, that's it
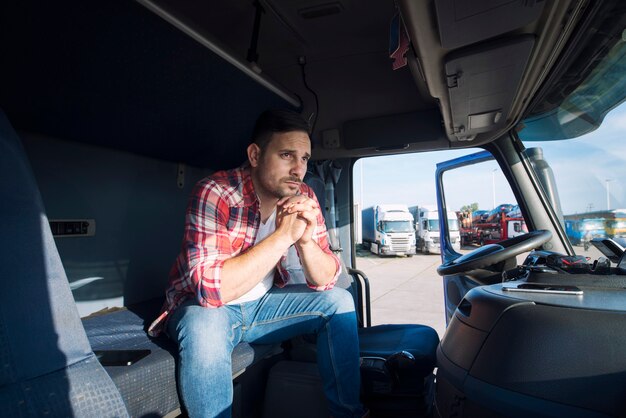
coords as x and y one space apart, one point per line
265 229
293 266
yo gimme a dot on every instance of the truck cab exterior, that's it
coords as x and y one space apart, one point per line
388 230
582 231
583 227
616 228
427 227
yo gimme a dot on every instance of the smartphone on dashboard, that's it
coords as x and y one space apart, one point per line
544 288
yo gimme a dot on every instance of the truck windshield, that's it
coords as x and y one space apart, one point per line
589 170
453 224
584 109
397 226
433 225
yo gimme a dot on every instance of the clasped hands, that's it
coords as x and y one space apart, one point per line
297 217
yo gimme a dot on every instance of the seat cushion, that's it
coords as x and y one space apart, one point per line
149 385
384 340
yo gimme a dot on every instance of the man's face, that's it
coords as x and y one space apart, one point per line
280 168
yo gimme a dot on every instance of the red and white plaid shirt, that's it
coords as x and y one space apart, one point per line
221 222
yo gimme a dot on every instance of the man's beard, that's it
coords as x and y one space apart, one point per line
280 193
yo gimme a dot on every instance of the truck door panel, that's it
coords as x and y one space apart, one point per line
487 211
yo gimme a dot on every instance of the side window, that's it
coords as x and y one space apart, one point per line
487 211
397 228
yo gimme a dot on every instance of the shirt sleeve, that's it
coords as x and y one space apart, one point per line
206 243
320 235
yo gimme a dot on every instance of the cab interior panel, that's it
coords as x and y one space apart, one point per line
111 112
129 197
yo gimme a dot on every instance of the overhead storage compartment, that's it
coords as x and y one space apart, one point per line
396 131
463 22
482 83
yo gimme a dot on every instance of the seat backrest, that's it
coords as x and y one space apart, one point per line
48 367
315 182
345 280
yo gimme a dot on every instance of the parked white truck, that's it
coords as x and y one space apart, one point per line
388 230
427 229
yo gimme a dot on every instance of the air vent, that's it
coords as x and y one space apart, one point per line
73 227
320 10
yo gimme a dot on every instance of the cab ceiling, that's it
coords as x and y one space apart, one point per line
342 47
116 74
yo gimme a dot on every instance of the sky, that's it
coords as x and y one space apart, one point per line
585 169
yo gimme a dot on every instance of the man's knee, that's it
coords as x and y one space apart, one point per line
200 330
340 299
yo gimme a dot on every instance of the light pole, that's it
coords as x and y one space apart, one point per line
493 187
360 225
361 184
608 194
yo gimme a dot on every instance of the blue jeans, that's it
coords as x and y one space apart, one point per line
206 338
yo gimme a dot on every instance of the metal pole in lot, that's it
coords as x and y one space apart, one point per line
493 186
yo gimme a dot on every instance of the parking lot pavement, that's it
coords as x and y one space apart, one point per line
405 290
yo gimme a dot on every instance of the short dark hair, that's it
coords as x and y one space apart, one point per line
277 121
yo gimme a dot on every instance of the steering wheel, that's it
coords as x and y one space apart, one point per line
491 254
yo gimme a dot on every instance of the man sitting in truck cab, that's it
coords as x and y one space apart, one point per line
249 232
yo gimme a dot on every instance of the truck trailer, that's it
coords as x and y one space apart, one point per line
427 229
503 222
583 227
388 230
467 220
582 231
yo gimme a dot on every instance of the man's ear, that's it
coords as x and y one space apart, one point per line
254 154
